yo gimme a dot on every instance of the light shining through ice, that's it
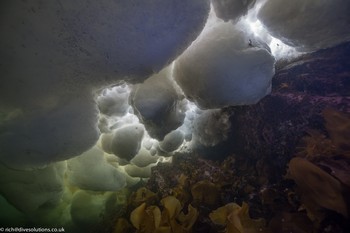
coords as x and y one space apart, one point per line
279 49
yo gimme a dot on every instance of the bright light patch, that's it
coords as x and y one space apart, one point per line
279 49
250 23
282 51
256 27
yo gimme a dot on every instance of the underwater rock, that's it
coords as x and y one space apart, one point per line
290 222
211 127
301 90
264 138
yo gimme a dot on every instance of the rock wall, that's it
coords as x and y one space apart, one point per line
302 89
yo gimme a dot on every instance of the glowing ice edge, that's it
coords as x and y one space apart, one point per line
279 49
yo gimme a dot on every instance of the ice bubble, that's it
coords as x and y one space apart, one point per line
158 104
29 190
90 171
126 141
172 141
232 9
225 67
312 24
144 158
42 136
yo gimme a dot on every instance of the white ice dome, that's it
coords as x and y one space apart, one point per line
225 67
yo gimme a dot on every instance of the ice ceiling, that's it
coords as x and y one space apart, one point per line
101 91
